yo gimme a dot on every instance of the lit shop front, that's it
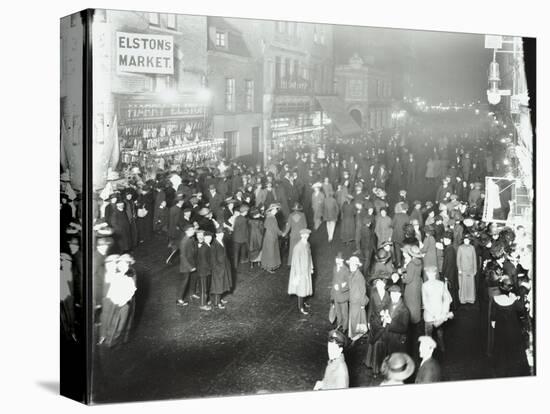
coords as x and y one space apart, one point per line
295 122
153 133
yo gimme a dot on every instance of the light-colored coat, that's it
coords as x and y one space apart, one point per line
301 269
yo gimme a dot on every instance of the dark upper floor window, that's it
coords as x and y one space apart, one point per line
74 18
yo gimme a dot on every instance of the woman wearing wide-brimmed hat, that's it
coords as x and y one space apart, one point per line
256 235
118 305
358 299
296 222
396 368
412 281
271 255
379 300
383 260
508 351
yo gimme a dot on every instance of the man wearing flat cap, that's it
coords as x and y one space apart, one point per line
336 373
429 370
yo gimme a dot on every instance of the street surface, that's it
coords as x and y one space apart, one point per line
259 343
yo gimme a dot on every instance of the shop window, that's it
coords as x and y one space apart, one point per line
221 39
249 95
171 21
154 19
230 94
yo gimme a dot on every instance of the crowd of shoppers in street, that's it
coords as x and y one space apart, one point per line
413 263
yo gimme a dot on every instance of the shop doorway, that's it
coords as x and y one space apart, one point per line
255 143
231 139
357 116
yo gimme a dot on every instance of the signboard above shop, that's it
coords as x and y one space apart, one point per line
142 108
144 53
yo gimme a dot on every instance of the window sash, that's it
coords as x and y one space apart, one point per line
171 21
154 19
230 94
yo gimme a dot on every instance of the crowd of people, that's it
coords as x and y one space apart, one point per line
412 265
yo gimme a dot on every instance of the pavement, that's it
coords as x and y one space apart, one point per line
260 343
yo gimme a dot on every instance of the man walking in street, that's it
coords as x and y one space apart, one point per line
188 266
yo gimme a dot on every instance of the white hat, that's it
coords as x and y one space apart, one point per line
354 260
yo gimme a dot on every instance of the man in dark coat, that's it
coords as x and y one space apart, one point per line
449 271
215 202
204 266
365 241
339 293
188 263
429 370
240 237
396 320
120 224
174 232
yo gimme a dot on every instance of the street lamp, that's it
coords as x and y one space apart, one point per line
493 93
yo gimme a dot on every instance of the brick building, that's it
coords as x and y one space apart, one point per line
235 82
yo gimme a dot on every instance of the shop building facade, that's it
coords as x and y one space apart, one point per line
298 65
149 80
367 93
235 81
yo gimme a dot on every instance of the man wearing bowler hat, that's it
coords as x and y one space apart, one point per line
336 373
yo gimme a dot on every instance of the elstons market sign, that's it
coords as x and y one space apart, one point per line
144 53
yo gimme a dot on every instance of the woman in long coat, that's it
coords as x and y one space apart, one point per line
255 237
412 281
317 205
383 227
428 247
466 262
296 222
118 305
509 345
341 195
301 269
347 230
222 280
271 255
379 300
358 300
330 214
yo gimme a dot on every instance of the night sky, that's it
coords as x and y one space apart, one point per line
442 66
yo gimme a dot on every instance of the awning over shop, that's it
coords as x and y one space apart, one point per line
336 110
